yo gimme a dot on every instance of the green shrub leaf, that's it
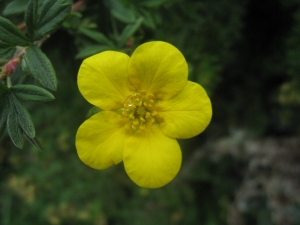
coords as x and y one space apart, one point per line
51 15
4 110
34 142
31 17
13 127
24 118
119 11
3 88
6 50
10 34
31 93
39 66
95 36
15 7
91 50
128 31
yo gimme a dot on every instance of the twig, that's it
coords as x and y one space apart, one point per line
8 68
75 7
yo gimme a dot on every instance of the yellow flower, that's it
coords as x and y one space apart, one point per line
146 103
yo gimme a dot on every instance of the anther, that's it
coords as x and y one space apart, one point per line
151 120
151 96
147 115
154 113
133 127
135 122
143 92
158 116
150 101
132 116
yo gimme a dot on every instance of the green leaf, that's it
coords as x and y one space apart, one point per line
3 88
13 127
31 93
51 15
120 12
96 36
4 110
24 118
31 17
10 34
128 31
6 50
39 66
34 142
148 19
15 7
91 50
92 111
152 3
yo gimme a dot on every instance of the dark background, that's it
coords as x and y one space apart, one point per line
244 169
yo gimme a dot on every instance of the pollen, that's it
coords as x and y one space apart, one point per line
138 108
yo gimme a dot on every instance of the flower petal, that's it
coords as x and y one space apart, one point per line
151 159
100 140
103 80
158 68
187 114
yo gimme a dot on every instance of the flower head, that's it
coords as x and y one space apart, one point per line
146 102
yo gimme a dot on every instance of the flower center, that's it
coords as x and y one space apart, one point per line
138 109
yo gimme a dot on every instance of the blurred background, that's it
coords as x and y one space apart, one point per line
244 169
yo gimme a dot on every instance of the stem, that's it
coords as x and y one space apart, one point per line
8 82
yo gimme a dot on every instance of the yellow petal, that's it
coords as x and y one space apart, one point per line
187 114
103 79
158 68
151 159
100 140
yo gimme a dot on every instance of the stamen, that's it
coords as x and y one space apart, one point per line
151 120
136 122
138 109
150 101
158 116
154 113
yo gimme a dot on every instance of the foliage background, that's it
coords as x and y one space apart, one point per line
244 169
